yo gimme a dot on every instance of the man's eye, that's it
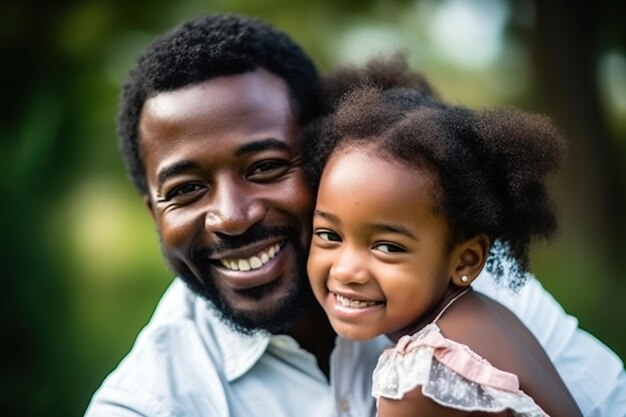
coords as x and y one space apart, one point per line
328 236
389 248
183 190
267 166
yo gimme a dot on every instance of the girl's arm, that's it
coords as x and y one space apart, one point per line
591 371
415 404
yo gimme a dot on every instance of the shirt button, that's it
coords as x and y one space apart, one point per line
344 406
281 341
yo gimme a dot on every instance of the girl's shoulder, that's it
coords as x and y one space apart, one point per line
429 363
477 346
490 330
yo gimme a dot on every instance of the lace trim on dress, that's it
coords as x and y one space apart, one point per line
451 374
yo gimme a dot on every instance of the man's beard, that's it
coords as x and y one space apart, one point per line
283 314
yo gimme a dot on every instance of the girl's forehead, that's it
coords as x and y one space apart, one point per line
366 166
362 191
374 151
367 169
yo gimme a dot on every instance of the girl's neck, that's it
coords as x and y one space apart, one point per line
449 297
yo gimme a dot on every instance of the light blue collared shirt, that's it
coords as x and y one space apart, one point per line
187 362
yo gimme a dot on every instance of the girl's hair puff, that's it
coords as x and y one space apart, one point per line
491 166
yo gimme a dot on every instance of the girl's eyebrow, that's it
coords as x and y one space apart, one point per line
393 228
326 215
379 227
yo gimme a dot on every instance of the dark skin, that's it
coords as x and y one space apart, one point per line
222 159
315 334
381 262
492 331
509 346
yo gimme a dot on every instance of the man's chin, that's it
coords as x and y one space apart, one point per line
258 309
272 307
261 308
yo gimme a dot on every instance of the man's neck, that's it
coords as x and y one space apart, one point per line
315 334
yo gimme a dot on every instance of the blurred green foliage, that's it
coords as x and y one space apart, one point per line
82 267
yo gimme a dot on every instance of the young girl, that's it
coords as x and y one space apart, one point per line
415 198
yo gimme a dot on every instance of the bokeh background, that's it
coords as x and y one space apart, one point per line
81 267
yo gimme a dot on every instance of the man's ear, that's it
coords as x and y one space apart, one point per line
148 202
471 256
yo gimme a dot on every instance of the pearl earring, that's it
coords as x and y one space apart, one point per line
464 279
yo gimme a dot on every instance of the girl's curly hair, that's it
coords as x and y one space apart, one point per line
491 166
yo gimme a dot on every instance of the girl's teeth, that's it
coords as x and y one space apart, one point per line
253 262
347 302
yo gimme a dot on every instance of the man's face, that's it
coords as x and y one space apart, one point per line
229 196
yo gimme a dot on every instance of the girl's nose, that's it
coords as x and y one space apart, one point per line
350 267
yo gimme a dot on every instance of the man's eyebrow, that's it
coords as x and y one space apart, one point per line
261 145
172 170
256 146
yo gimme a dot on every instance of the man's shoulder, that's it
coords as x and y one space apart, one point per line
177 304
170 353
179 329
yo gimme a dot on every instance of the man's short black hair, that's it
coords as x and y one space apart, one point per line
204 48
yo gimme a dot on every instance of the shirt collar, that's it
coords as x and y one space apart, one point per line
239 351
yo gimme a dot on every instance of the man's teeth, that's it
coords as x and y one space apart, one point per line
347 302
253 262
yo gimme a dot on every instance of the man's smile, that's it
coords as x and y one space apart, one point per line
253 262
240 225
254 265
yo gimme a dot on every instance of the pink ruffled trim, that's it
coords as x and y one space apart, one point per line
460 359
451 374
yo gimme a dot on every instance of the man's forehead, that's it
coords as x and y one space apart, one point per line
255 100
255 87
230 113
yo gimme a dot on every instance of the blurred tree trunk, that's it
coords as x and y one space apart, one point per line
570 38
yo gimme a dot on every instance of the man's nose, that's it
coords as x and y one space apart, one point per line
233 210
350 267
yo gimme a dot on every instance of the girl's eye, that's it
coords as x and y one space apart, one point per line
389 248
328 236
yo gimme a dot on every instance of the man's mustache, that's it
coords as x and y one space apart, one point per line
252 235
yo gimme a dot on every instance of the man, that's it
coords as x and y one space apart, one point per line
209 122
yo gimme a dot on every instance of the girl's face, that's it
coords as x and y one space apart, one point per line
378 260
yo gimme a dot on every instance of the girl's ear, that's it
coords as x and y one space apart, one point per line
471 256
